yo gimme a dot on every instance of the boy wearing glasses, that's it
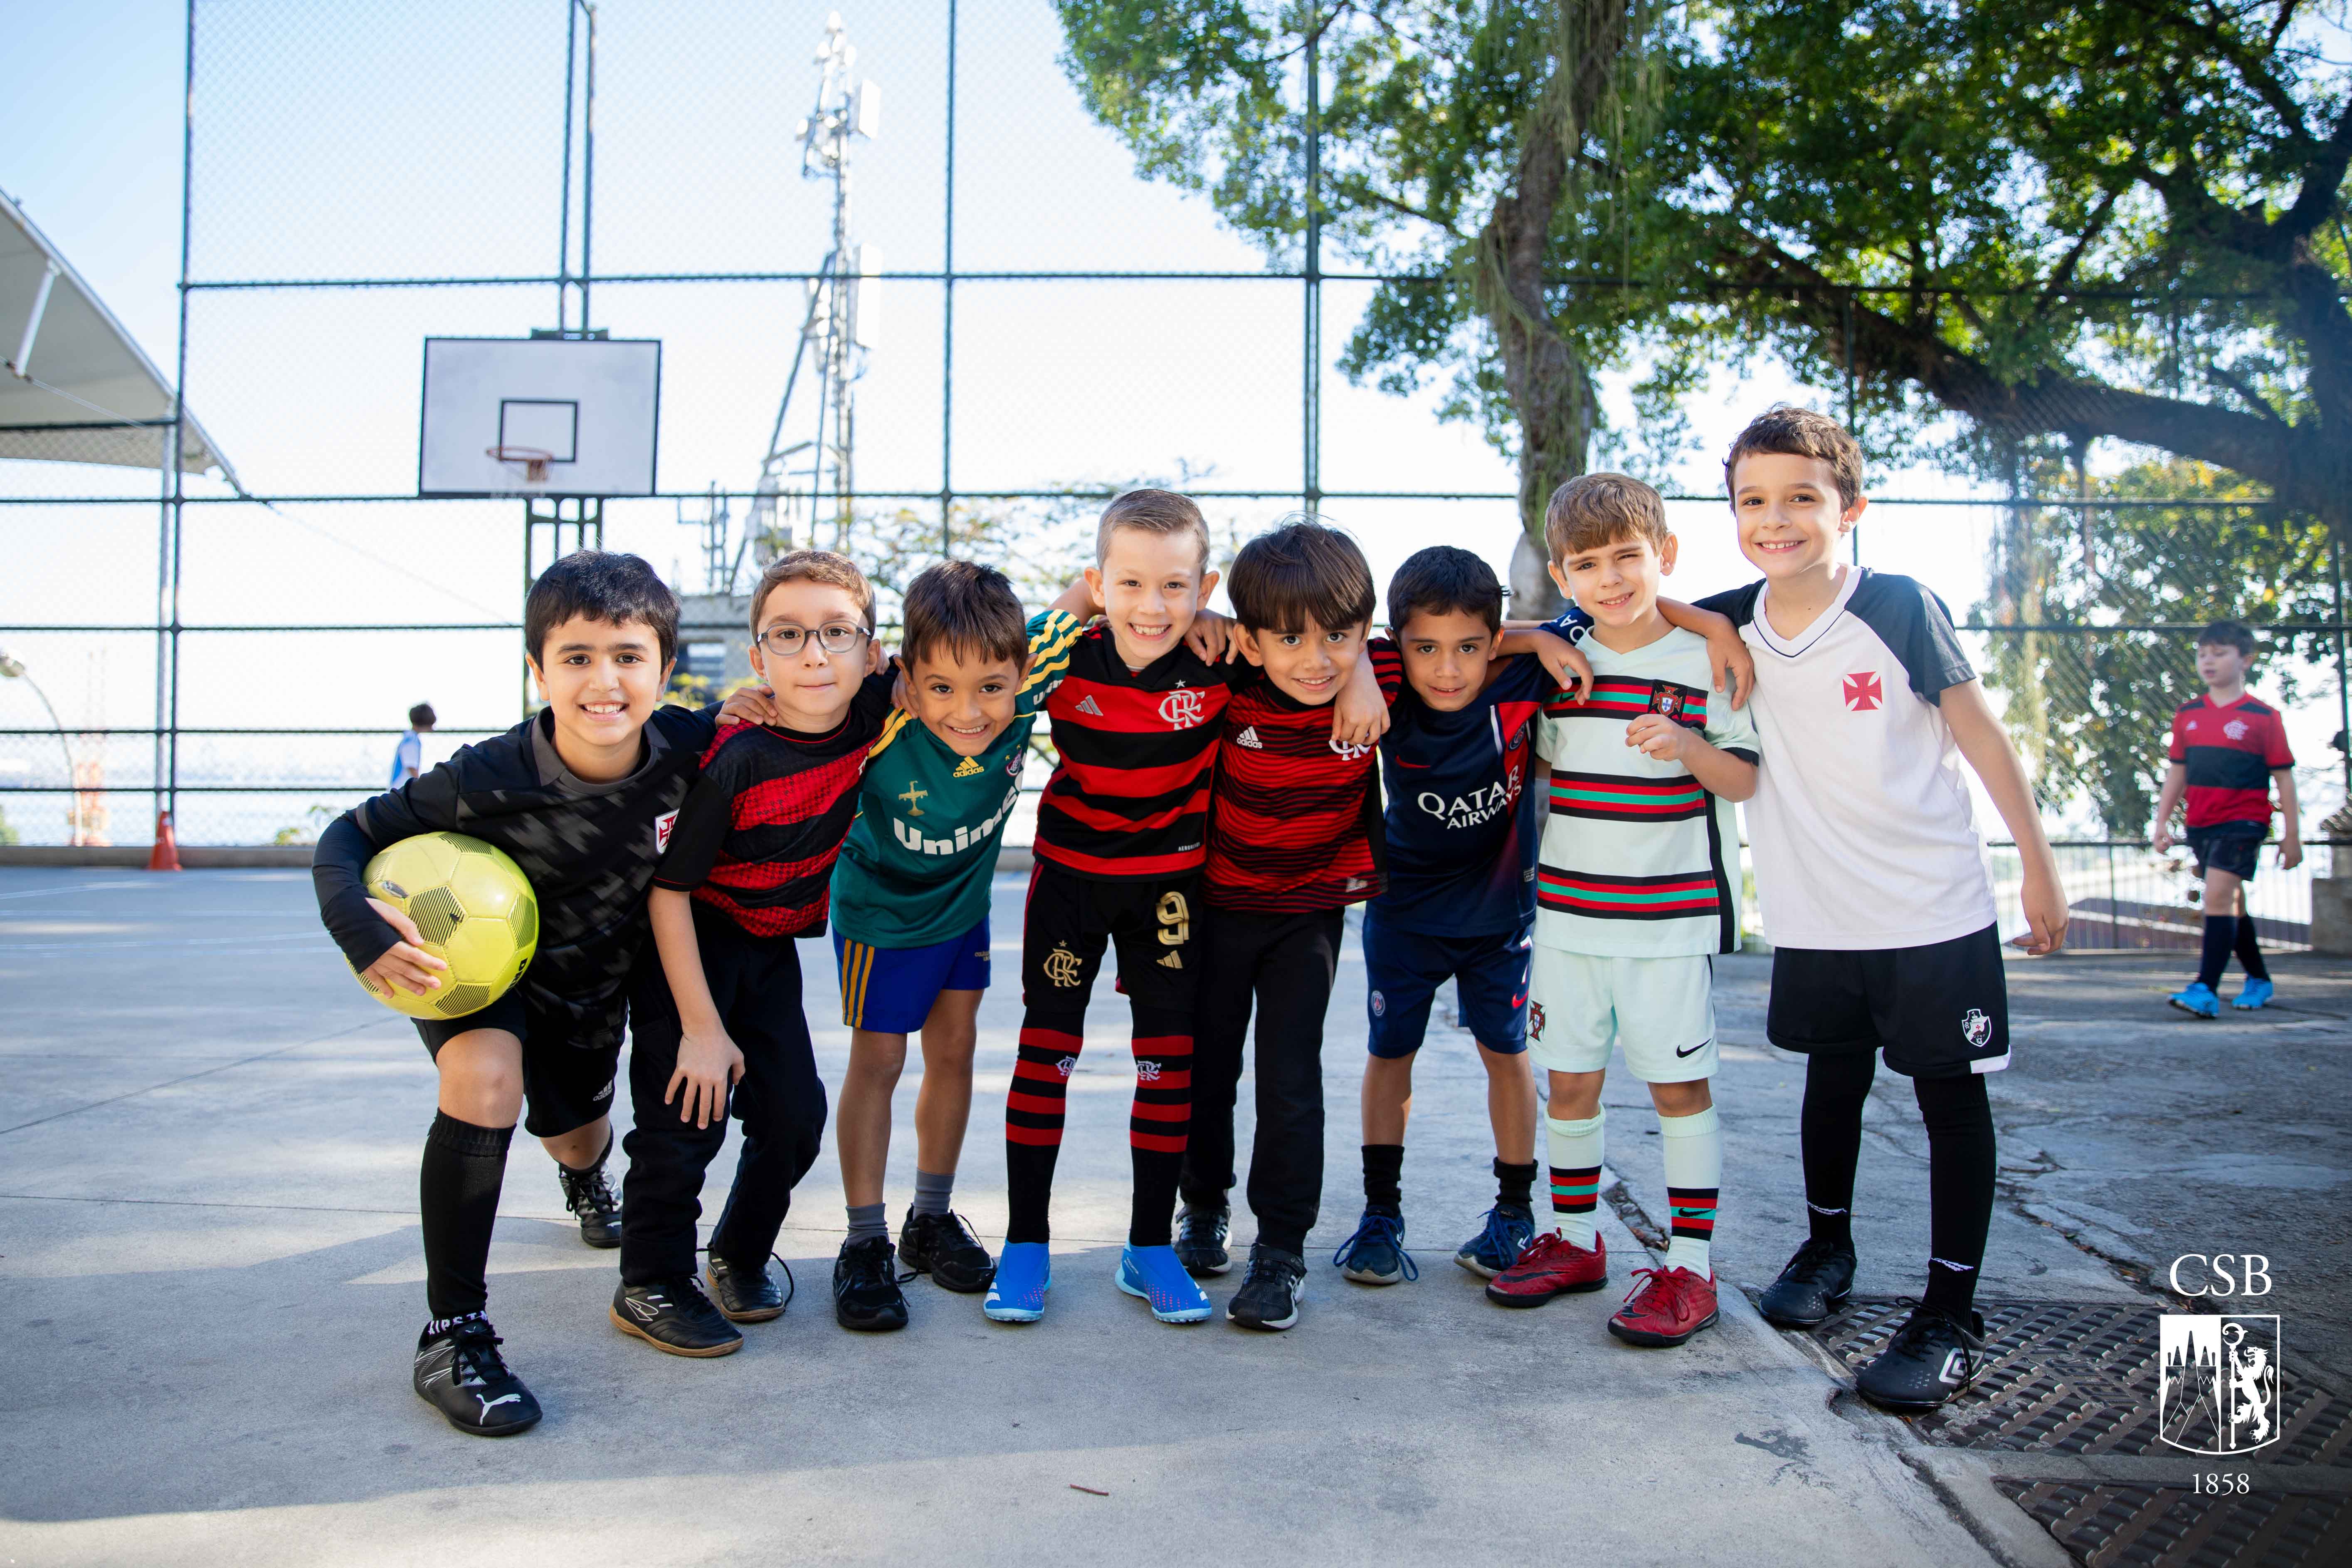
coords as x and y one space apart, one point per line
747 868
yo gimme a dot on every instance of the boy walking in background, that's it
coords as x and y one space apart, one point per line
408 756
910 918
1873 882
1636 891
2226 748
716 1021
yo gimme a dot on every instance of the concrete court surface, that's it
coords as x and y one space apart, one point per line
209 1272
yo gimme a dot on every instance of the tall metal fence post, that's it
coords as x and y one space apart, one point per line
1311 392
174 460
947 322
2343 671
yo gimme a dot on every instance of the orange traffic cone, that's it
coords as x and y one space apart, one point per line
165 856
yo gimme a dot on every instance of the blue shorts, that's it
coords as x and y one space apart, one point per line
1403 969
891 990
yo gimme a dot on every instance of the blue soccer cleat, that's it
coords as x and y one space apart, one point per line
2197 1000
1153 1274
2254 994
1509 1227
1024 1274
1375 1255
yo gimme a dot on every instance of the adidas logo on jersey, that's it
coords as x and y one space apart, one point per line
968 768
1249 738
1087 705
1174 961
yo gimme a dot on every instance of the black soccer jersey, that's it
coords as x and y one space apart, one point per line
588 849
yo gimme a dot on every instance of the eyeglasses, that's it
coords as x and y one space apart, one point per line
784 642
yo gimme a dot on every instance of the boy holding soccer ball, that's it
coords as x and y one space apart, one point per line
581 795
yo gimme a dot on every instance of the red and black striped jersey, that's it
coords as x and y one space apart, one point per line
759 833
1129 797
2229 750
1296 823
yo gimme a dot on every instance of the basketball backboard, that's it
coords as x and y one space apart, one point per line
539 417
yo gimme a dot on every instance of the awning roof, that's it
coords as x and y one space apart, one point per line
80 391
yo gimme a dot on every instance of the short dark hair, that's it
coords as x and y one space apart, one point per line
1442 580
422 717
2229 634
601 586
1795 432
1301 570
813 566
962 607
1593 511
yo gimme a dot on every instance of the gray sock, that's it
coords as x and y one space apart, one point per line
867 1221
932 1192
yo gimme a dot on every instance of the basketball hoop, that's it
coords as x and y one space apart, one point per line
533 459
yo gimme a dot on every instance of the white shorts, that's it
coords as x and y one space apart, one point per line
1661 1010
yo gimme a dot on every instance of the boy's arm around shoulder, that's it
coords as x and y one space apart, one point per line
1982 741
1731 666
1053 633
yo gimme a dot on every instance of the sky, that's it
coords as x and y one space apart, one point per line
426 140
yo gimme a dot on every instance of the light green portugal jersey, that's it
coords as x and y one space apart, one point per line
916 867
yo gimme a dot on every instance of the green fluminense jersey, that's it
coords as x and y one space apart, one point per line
916 867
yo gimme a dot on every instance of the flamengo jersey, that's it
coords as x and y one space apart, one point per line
1296 826
587 848
1638 859
915 869
1461 825
757 838
2229 750
1129 798
1860 828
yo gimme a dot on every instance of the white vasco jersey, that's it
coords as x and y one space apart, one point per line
1861 829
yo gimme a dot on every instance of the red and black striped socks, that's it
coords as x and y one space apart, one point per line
1158 1119
1050 1044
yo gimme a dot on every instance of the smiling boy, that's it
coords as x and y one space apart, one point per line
581 796
748 870
1872 883
911 899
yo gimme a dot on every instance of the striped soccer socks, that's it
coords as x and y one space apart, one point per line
1575 1151
1158 1121
1693 1146
1033 1120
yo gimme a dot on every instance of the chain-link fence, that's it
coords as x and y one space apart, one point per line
242 653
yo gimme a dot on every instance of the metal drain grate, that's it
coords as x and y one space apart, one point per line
2079 1377
2167 1527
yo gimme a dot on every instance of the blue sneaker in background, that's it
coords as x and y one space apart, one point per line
1375 1255
1153 1274
1509 1228
2252 994
1024 1273
2198 1000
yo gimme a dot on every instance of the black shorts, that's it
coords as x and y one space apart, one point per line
1939 1011
564 1086
2232 846
1071 918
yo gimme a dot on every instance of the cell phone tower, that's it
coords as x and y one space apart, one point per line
805 486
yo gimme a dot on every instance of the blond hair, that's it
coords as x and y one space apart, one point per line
1152 511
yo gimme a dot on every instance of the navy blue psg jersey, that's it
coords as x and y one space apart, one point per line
1461 819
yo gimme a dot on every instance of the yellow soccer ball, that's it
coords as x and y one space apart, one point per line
474 911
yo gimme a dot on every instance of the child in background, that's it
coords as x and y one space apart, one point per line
2226 749
408 756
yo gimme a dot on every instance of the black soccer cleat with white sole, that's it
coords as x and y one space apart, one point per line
1201 1239
1932 1357
744 1293
591 1200
458 1372
942 1246
674 1316
1270 1289
1813 1286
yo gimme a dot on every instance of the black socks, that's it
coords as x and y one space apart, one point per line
1960 1183
458 1192
1384 1177
2221 936
1515 1183
2250 949
1836 1086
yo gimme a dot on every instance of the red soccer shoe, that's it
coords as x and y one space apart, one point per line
1667 1308
1549 1266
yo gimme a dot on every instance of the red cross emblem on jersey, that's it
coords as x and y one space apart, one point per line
1863 692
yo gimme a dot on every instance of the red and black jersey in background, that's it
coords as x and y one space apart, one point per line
759 833
1129 798
1296 824
2230 752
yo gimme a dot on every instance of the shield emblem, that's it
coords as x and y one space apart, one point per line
2219 1393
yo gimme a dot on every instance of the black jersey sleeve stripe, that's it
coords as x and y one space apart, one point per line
1916 628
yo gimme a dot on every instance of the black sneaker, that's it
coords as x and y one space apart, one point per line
1816 1284
744 1295
1931 1358
942 1246
459 1373
674 1315
589 1198
1270 1289
1201 1238
865 1294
